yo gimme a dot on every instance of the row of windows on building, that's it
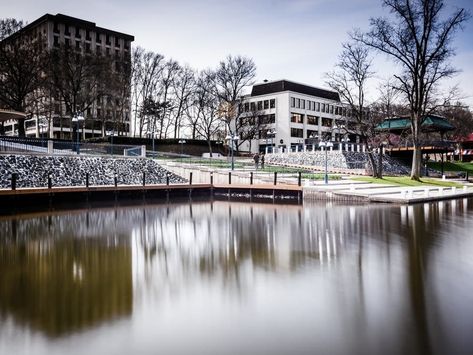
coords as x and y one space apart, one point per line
258 105
260 120
318 106
60 122
78 33
299 133
313 120
79 45
295 133
99 103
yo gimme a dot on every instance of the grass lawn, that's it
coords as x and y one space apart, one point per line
451 166
406 181
320 176
280 169
306 174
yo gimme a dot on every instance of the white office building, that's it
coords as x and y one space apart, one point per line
295 117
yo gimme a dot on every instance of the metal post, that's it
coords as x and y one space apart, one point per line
50 181
233 163
275 177
144 178
87 180
211 178
78 147
115 180
251 178
167 179
299 179
229 178
442 163
326 166
190 178
13 181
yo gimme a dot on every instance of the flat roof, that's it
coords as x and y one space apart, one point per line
69 20
286 85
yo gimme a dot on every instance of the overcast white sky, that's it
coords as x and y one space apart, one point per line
297 40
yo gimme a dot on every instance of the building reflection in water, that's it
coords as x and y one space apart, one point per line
61 274
326 277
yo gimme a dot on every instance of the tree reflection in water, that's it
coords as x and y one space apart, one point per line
327 278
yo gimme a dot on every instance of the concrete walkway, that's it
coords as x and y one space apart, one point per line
336 190
371 192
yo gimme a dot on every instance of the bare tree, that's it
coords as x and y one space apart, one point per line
147 68
81 80
22 62
232 77
122 90
383 108
9 26
460 116
208 124
165 96
183 86
350 80
418 37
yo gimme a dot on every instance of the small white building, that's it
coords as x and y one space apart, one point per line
295 117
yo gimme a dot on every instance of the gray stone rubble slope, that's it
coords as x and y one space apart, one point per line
33 170
337 160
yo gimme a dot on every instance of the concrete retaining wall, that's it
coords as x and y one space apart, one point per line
337 161
33 171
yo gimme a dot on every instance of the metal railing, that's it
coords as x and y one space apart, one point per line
26 145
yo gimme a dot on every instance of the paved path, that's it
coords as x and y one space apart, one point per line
342 190
372 192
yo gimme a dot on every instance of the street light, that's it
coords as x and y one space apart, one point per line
182 142
272 133
345 140
326 145
77 119
233 139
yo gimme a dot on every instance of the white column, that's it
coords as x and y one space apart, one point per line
143 151
50 147
340 146
363 148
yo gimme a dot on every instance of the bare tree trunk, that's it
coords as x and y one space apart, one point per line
416 162
379 170
373 163
417 152
210 146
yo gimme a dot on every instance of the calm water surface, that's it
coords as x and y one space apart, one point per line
236 278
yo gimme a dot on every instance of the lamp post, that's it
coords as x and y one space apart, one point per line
344 140
326 145
232 138
77 119
182 142
272 132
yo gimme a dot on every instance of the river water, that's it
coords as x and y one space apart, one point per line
239 278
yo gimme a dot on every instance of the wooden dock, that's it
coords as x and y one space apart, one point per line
12 201
37 198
